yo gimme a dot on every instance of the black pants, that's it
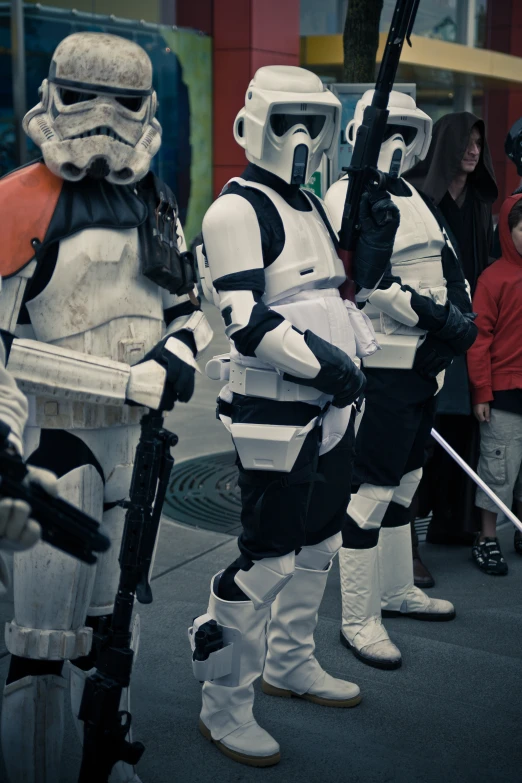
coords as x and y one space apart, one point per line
282 512
391 441
446 489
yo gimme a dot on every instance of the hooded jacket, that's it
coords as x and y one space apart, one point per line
434 174
495 359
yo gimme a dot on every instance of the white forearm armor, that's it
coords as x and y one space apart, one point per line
13 405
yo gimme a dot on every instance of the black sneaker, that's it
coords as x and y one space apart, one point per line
517 543
488 557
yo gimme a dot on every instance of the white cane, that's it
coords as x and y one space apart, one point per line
478 481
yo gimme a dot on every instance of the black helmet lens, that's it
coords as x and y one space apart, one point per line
408 133
281 123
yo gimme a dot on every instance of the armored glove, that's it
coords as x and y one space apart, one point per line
17 530
379 219
338 374
459 331
432 357
165 374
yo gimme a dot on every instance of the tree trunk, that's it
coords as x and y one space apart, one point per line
361 40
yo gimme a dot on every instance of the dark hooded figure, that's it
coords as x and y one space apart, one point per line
457 175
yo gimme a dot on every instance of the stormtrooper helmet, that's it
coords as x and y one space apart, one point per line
408 132
96 110
289 120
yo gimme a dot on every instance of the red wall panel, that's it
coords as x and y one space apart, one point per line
197 15
231 77
247 34
503 107
275 26
223 173
232 24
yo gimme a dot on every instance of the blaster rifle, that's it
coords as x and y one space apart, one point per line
363 172
106 726
63 526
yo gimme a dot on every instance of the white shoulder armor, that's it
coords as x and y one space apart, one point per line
419 234
232 237
334 201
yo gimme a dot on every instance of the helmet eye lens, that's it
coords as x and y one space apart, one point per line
133 104
70 97
408 133
281 123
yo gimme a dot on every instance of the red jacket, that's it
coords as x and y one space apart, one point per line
495 358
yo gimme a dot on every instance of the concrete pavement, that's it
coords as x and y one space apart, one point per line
450 714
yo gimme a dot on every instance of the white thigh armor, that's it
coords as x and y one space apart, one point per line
54 592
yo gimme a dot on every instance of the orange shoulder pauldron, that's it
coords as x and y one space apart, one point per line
28 198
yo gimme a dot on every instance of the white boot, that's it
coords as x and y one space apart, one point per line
32 728
362 630
121 772
291 668
226 717
399 596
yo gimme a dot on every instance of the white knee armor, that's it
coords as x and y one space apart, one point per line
266 578
368 506
403 494
319 556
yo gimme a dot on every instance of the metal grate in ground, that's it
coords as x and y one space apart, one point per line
203 493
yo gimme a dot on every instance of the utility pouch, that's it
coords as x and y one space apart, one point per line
162 262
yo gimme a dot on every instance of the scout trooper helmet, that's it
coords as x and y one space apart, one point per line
96 110
289 120
408 132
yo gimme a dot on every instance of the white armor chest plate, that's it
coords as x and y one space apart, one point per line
308 259
97 300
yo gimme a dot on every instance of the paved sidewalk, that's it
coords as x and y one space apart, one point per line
450 714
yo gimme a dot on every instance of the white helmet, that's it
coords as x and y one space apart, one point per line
288 121
408 132
96 110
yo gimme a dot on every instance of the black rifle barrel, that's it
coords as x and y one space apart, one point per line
106 727
363 169
63 525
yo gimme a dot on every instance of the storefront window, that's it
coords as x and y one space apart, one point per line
435 19
148 10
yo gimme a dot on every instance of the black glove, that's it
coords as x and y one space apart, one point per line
432 357
379 220
459 331
179 383
338 374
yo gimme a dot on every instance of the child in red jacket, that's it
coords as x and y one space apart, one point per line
495 373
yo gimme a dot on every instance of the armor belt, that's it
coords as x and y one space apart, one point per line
269 384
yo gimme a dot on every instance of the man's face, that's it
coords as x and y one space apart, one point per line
472 155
